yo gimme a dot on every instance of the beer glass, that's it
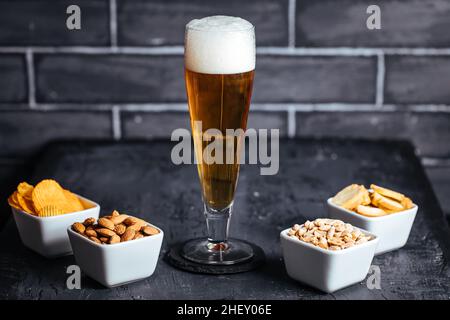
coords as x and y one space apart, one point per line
219 71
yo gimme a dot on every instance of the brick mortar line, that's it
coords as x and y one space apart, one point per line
427 162
268 107
291 123
275 51
291 23
30 79
116 123
113 23
434 162
379 99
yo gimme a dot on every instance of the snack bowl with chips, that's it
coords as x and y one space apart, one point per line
116 264
393 229
47 235
328 268
42 214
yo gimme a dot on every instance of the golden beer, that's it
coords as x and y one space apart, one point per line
219 61
219 101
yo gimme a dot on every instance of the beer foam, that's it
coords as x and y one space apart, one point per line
220 45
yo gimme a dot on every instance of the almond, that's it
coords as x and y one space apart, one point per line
115 213
119 219
114 239
90 232
89 222
130 221
78 227
136 227
105 232
106 223
120 229
103 239
128 235
138 235
95 240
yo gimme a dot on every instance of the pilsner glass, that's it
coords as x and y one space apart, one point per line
219 71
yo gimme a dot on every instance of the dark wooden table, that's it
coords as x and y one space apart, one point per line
139 178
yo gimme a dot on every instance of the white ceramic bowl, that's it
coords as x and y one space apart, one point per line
323 269
393 229
120 263
47 235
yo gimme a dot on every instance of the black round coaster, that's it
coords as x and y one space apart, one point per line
174 258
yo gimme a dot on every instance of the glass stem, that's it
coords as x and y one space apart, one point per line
217 222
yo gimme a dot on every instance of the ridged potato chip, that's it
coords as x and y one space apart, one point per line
48 193
25 204
47 199
73 203
50 211
25 189
13 203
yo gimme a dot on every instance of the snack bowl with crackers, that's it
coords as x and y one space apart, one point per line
381 211
42 214
327 254
116 249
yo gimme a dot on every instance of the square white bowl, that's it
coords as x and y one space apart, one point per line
392 229
119 263
323 269
47 235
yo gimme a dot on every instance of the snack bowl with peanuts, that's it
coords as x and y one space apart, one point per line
116 249
387 213
44 231
327 254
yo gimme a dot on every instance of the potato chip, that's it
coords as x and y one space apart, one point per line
366 198
370 211
350 197
73 203
14 198
25 204
375 197
48 193
388 193
50 211
386 203
407 203
25 189
13 203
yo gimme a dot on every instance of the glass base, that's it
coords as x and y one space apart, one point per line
222 253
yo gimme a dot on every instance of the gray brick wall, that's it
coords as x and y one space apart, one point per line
320 72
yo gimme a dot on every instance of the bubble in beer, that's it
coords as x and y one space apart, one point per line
220 45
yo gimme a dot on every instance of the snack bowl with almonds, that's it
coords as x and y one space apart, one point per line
116 249
387 214
327 254
46 233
